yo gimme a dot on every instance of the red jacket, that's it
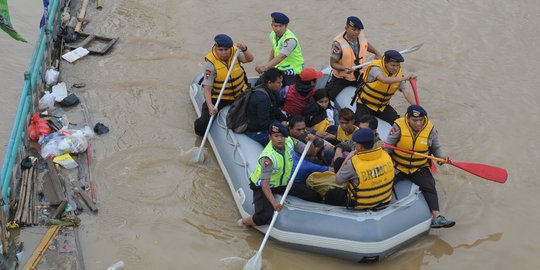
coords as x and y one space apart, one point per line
295 103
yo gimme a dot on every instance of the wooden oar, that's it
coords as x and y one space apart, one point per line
406 51
487 172
255 262
197 157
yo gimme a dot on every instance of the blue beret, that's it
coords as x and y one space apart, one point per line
354 21
223 40
416 111
277 127
395 55
363 135
280 18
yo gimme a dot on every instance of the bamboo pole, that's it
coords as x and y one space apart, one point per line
81 16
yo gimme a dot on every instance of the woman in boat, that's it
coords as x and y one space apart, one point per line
319 114
272 174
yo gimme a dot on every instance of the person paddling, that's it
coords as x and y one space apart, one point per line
218 62
415 132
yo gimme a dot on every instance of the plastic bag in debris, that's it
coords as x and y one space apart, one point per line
38 127
47 101
51 76
63 141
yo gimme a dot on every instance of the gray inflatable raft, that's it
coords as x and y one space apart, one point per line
361 236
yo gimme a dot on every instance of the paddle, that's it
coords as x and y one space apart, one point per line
415 91
256 261
433 168
406 51
488 172
197 157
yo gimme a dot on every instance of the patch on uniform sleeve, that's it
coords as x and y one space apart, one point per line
266 162
207 74
393 130
335 49
286 43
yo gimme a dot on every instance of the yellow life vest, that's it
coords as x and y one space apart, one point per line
322 126
237 80
375 172
408 163
376 95
348 57
342 136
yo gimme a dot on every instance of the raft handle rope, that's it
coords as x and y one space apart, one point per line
231 141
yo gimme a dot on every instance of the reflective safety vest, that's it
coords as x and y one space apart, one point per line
342 136
408 163
375 172
281 165
237 80
348 56
376 95
294 62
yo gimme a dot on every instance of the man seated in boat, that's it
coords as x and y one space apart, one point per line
381 80
319 159
263 107
365 121
368 172
345 128
296 96
349 49
286 53
415 132
272 174
216 68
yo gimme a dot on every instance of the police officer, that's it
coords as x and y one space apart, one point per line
286 54
348 49
216 67
381 80
415 132
272 174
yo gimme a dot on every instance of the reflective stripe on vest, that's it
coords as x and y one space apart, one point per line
375 172
342 136
348 56
237 81
294 62
376 95
405 162
281 164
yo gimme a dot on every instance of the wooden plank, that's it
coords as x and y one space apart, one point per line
82 14
55 180
40 250
77 187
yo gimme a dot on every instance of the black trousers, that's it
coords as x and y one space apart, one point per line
264 209
389 114
201 123
424 179
335 85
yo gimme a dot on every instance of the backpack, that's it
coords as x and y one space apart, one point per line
237 119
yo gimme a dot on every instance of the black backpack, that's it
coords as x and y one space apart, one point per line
237 119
